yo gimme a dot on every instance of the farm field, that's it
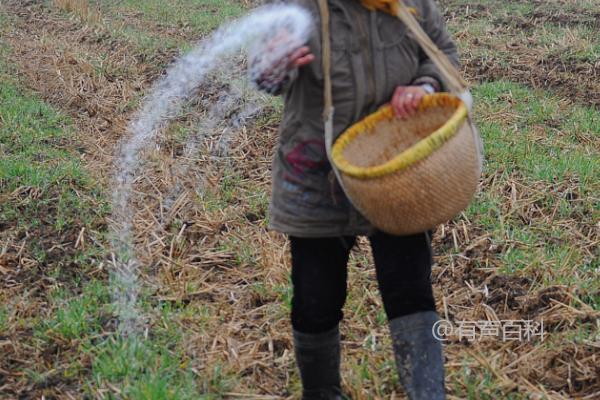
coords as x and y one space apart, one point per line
215 292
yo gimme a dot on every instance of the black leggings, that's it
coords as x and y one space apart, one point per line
319 272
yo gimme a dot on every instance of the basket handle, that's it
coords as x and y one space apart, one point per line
326 59
326 66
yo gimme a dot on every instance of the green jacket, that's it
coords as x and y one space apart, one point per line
372 54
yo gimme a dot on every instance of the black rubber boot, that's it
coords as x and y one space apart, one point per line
419 356
318 359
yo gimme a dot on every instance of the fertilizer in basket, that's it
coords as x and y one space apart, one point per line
164 101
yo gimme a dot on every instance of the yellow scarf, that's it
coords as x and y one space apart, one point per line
387 6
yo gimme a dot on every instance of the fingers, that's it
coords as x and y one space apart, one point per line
406 100
299 52
398 101
297 58
300 57
416 100
307 59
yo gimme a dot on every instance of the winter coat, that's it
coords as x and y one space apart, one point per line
372 54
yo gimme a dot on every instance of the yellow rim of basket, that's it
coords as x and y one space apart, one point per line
416 152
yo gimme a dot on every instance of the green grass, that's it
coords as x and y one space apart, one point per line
52 195
156 25
48 196
157 367
31 138
551 151
201 15
172 22
526 142
547 37
77 317
4 318
143 369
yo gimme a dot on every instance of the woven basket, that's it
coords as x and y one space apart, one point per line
407 176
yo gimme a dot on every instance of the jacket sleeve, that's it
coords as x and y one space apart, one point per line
433 23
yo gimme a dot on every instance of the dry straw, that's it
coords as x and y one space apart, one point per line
80 8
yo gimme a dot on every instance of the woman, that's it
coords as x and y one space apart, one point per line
374 61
